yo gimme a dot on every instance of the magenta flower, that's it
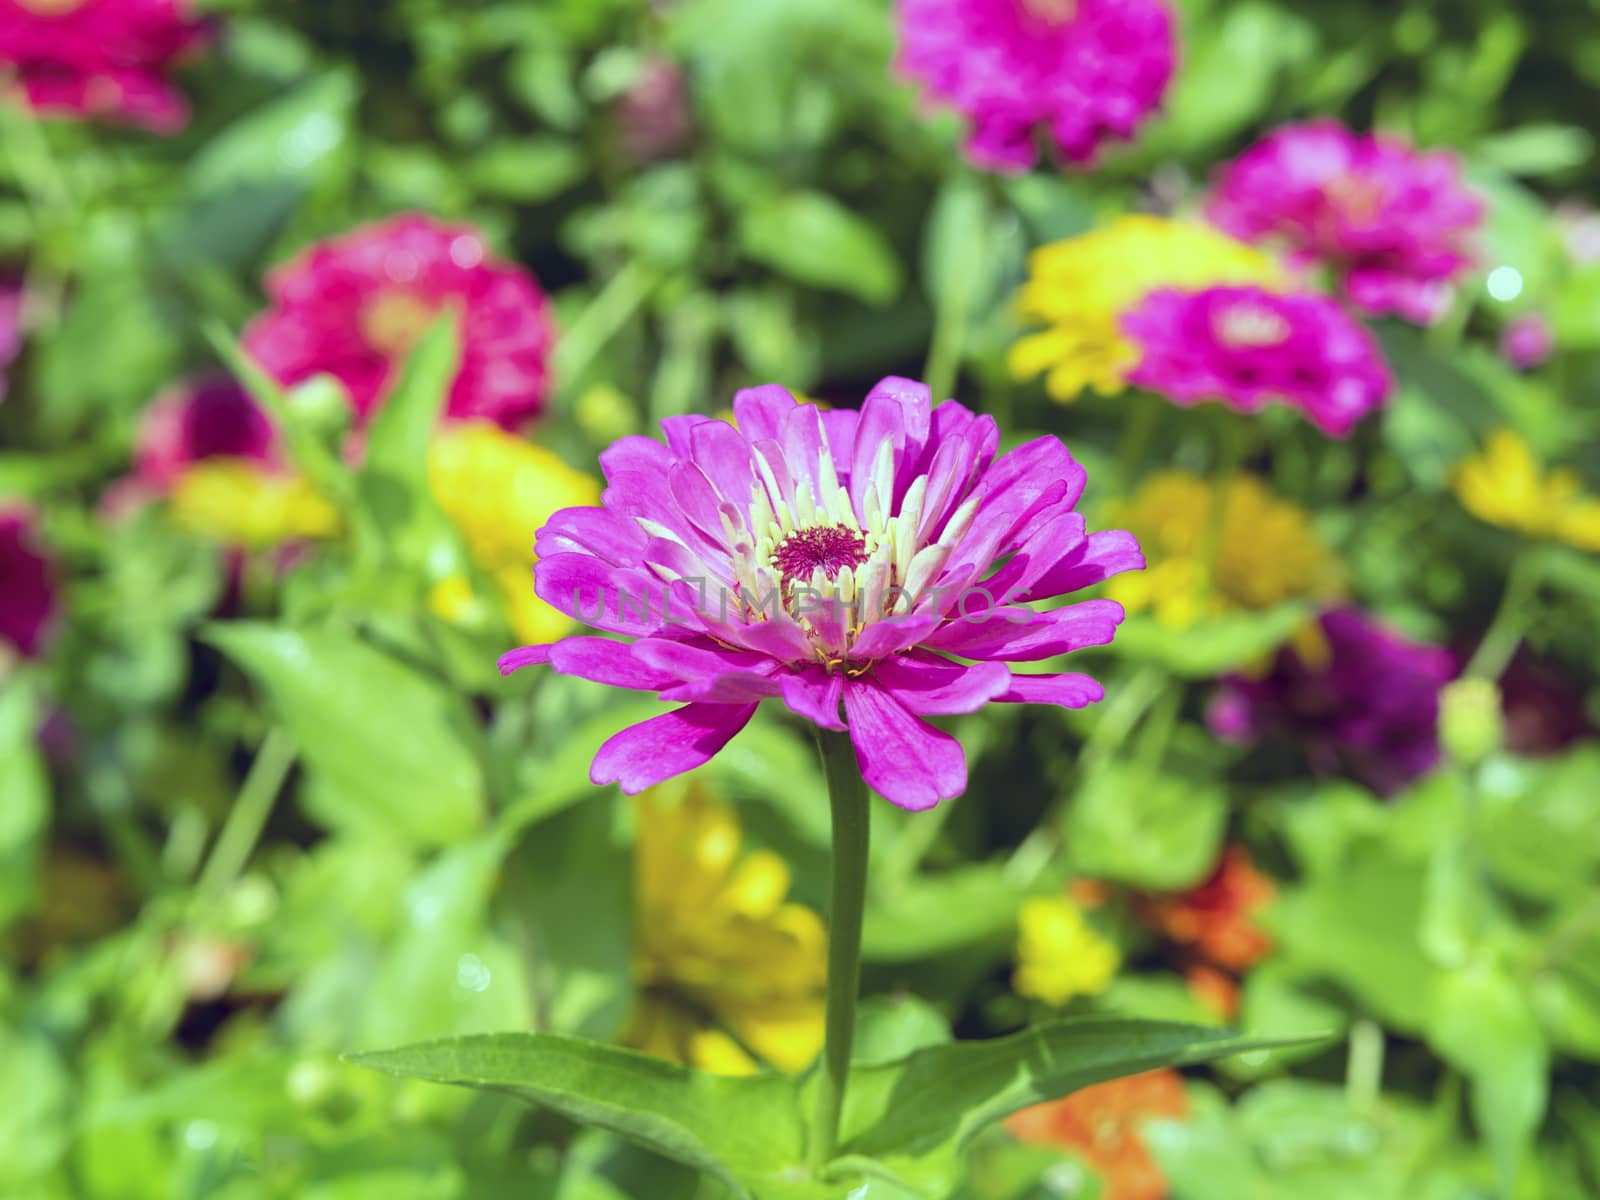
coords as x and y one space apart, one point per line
653 116
1083 71
212 417
93 58
1246 346
27 584
353 307
1393 222
1527 341
880 559
1369 711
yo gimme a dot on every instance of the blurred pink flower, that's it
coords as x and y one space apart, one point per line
1527 341
824 558
28 591
653 116
1369 708
93 58
1083 71
1393 222
354 306
1246 346
212 417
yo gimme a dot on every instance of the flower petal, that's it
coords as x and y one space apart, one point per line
905 760
1059 631
928 684
1069 691
643 755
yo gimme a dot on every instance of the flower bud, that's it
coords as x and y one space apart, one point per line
1471 726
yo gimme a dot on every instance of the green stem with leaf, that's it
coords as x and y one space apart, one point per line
847 793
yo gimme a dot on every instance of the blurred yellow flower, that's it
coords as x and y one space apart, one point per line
1262 552
1507 486
498 490
729 973
237 501
1059 955
1080 288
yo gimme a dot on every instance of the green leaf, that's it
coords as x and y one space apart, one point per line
1536 149
393 482
387 746
1137 826
739 1130
25 809
930 915
528 169
812 238
1482 1023
915 1115
890 1027
295 138
570 885
1208 648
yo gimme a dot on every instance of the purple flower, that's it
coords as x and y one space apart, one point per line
1085 71
212 417
1368 708
1392 221
1246 346
27 584
1527 341
827 558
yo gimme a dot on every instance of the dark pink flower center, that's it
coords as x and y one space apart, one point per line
1249 326
393 322
831 547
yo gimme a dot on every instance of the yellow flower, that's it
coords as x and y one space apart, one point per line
498 490
1059 955
1081 287
729 973
1261 553
1507 486
237 501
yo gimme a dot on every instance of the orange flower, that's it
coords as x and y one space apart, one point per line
1101 1125
1216 920
1215 989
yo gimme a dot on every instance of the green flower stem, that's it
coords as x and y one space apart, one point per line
1494 653
249 814
848 794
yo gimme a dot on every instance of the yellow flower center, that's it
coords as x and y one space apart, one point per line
393 322
1247 326
1358 197
51 8
1051 12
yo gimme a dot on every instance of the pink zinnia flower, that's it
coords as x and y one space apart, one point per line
354 306
27 584
1392 221
1368 708
1084 71
95 58
1246 346
1527 341
880 559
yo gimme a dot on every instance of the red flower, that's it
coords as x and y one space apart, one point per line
1101 1124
